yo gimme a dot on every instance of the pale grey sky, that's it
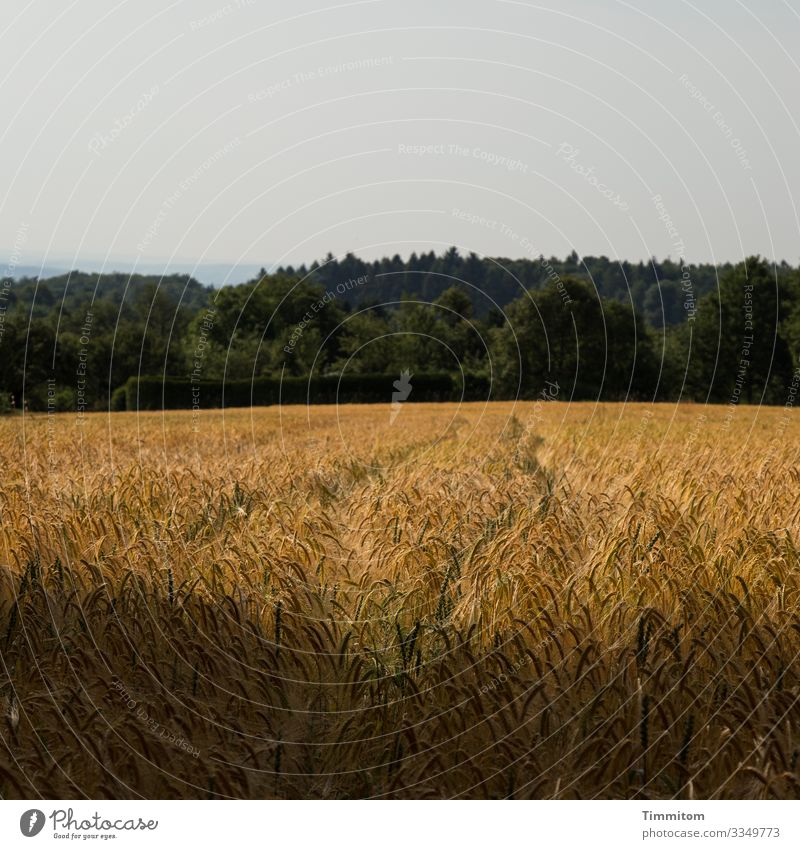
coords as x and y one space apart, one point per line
245 131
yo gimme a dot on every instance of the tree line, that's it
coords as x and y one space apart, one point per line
500 328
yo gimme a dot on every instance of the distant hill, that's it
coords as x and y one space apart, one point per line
210 274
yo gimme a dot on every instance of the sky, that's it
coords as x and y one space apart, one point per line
252 132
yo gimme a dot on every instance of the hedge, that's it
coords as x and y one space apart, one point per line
175 393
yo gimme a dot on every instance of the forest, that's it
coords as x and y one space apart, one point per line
500 328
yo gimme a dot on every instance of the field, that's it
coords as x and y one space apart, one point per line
530 601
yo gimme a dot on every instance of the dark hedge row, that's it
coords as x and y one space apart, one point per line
170 393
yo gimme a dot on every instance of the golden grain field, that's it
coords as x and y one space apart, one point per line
529 601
